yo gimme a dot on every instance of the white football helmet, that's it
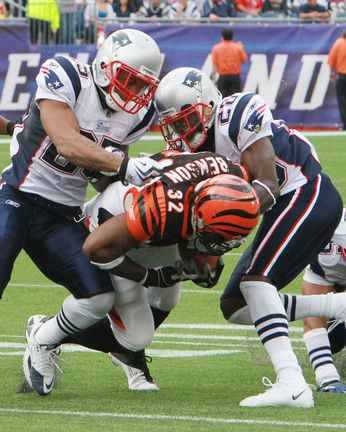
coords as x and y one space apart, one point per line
186 101
125 60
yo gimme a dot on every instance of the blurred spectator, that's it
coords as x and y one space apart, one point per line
125 8
337 64
67 30
278 7
95 17
295 6
227 57
80 23
250 7
184 10
338 6
3 10
216 9
311 11
44 20
153 9
15 8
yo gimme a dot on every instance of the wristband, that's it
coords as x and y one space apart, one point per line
268 190
10 127
111 264
123 168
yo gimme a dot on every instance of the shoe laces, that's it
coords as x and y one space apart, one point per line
266 382
55 360
142 361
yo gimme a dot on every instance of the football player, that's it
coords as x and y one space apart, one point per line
301 209
326 273
60 144
195 200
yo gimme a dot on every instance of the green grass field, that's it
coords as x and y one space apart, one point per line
203 365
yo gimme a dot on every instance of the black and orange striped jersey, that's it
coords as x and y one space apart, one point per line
160 212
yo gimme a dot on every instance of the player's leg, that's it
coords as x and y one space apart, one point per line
318 345
137 312
56 250
279 256
15 214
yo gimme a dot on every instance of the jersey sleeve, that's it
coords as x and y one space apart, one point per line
58 80
147 215
251 121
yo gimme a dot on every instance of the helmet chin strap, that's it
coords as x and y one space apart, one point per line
110 103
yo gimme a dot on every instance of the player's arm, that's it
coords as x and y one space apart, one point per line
61 125
6 126
259 161
106 247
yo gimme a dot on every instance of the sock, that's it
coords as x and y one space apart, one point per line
75 315
302 306
98 337
270 319
318 347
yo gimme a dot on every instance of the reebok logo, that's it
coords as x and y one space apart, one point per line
295 397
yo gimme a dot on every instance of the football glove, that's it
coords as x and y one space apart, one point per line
207 278
165 277
136 170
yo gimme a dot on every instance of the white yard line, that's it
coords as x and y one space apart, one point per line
168 418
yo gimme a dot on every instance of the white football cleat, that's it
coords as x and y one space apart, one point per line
27 367
135 366
280 395
39 358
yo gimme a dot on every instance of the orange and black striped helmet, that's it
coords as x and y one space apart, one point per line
226 209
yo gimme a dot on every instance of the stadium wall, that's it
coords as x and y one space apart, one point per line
287 64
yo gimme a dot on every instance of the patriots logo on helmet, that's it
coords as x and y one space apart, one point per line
193 80
254 122
121 39
52 80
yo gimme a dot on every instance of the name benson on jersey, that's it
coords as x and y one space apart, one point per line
209 164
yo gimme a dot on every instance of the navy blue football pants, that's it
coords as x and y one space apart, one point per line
53 242
295 230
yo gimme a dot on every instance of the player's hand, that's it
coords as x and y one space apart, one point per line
165 277
210 277
136 170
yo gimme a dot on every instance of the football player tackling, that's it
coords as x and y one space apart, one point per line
301 209
78 111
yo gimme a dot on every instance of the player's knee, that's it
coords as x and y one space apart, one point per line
141 341
165 300
99 305
229 306
135 339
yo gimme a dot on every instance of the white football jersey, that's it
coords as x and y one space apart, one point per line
244 118
36 166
